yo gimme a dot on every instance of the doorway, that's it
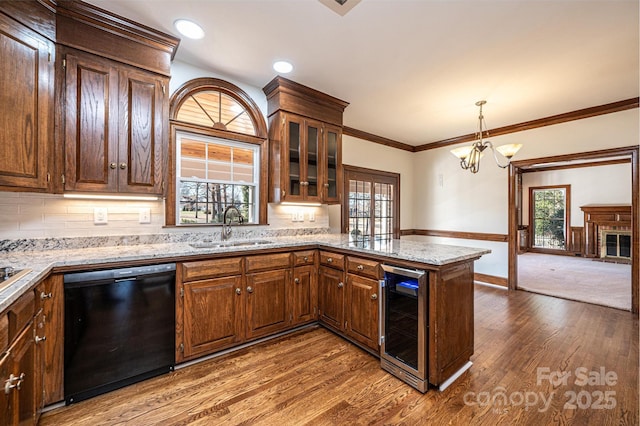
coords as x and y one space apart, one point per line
586 159
371 211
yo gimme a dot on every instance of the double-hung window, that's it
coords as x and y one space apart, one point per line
214 173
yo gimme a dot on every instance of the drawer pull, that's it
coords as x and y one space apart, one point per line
360 267
249 289
238 291
113 165
306 259
374 296
123 166
297 281
39 339
329 260
340 285
44 295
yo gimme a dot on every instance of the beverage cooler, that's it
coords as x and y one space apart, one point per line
404 325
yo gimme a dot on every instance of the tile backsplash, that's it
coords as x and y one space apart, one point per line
31 215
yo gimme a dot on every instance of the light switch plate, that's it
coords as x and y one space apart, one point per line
100 216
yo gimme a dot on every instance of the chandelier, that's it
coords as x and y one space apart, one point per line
470 155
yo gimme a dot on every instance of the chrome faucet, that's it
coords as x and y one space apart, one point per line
226 228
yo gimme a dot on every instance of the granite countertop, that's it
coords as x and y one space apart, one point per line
40 262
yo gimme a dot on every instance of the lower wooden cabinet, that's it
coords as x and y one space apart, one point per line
349 302
305 294
362 310
213 315
268 309
331 297
18 372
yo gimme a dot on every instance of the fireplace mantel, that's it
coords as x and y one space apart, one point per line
599 215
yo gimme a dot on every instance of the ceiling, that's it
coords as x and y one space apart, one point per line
412 70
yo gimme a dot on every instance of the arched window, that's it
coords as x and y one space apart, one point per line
218 149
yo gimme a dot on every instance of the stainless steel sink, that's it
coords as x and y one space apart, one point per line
222 244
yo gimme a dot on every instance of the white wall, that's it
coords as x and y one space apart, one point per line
479 203
360 153
610 184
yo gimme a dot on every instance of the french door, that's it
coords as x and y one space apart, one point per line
371 213
549 216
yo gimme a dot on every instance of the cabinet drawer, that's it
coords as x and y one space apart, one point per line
332 259
199 270
20 313
268 261
302 258
364 267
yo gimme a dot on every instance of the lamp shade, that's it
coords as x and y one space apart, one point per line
509 150
462 152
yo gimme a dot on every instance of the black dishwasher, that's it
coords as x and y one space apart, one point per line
119 328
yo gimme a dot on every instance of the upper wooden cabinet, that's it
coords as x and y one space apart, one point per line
97 120
305 141
26 99
115 121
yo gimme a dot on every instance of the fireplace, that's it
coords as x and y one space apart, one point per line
615 244
607 232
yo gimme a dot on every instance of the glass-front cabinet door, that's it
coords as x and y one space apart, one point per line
304 160
333 158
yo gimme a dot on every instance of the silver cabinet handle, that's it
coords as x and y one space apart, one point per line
359 267
113 165
123 166
39 339
44 295
340 285
238 291
374 296
329 260
249 289
306 259
13 382
297 281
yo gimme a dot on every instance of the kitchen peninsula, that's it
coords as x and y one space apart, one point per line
281 264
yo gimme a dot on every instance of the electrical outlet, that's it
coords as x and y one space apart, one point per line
301 216
312 216
100 216
144 215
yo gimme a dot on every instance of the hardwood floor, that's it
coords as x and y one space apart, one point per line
315 377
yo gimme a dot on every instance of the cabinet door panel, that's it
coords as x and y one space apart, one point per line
26 78
312 159
333 168
53 310
91 140
212 315
331 297
362 310
267 307
141 133
294 164
305 287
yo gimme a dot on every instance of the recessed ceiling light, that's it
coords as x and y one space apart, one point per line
283 67
189 29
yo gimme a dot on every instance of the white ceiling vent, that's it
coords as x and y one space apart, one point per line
341 7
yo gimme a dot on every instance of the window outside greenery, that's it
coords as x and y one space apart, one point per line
549 224
212 174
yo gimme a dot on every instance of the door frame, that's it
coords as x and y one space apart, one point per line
383 177
515 176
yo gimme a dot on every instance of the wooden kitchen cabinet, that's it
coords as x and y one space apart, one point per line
362 310
268 309
304 289
305 132
209 307
331 290
115 119
19 369
26 95
51 301
362 301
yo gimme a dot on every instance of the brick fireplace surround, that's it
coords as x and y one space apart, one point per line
600 219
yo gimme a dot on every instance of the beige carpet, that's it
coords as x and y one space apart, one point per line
576 278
